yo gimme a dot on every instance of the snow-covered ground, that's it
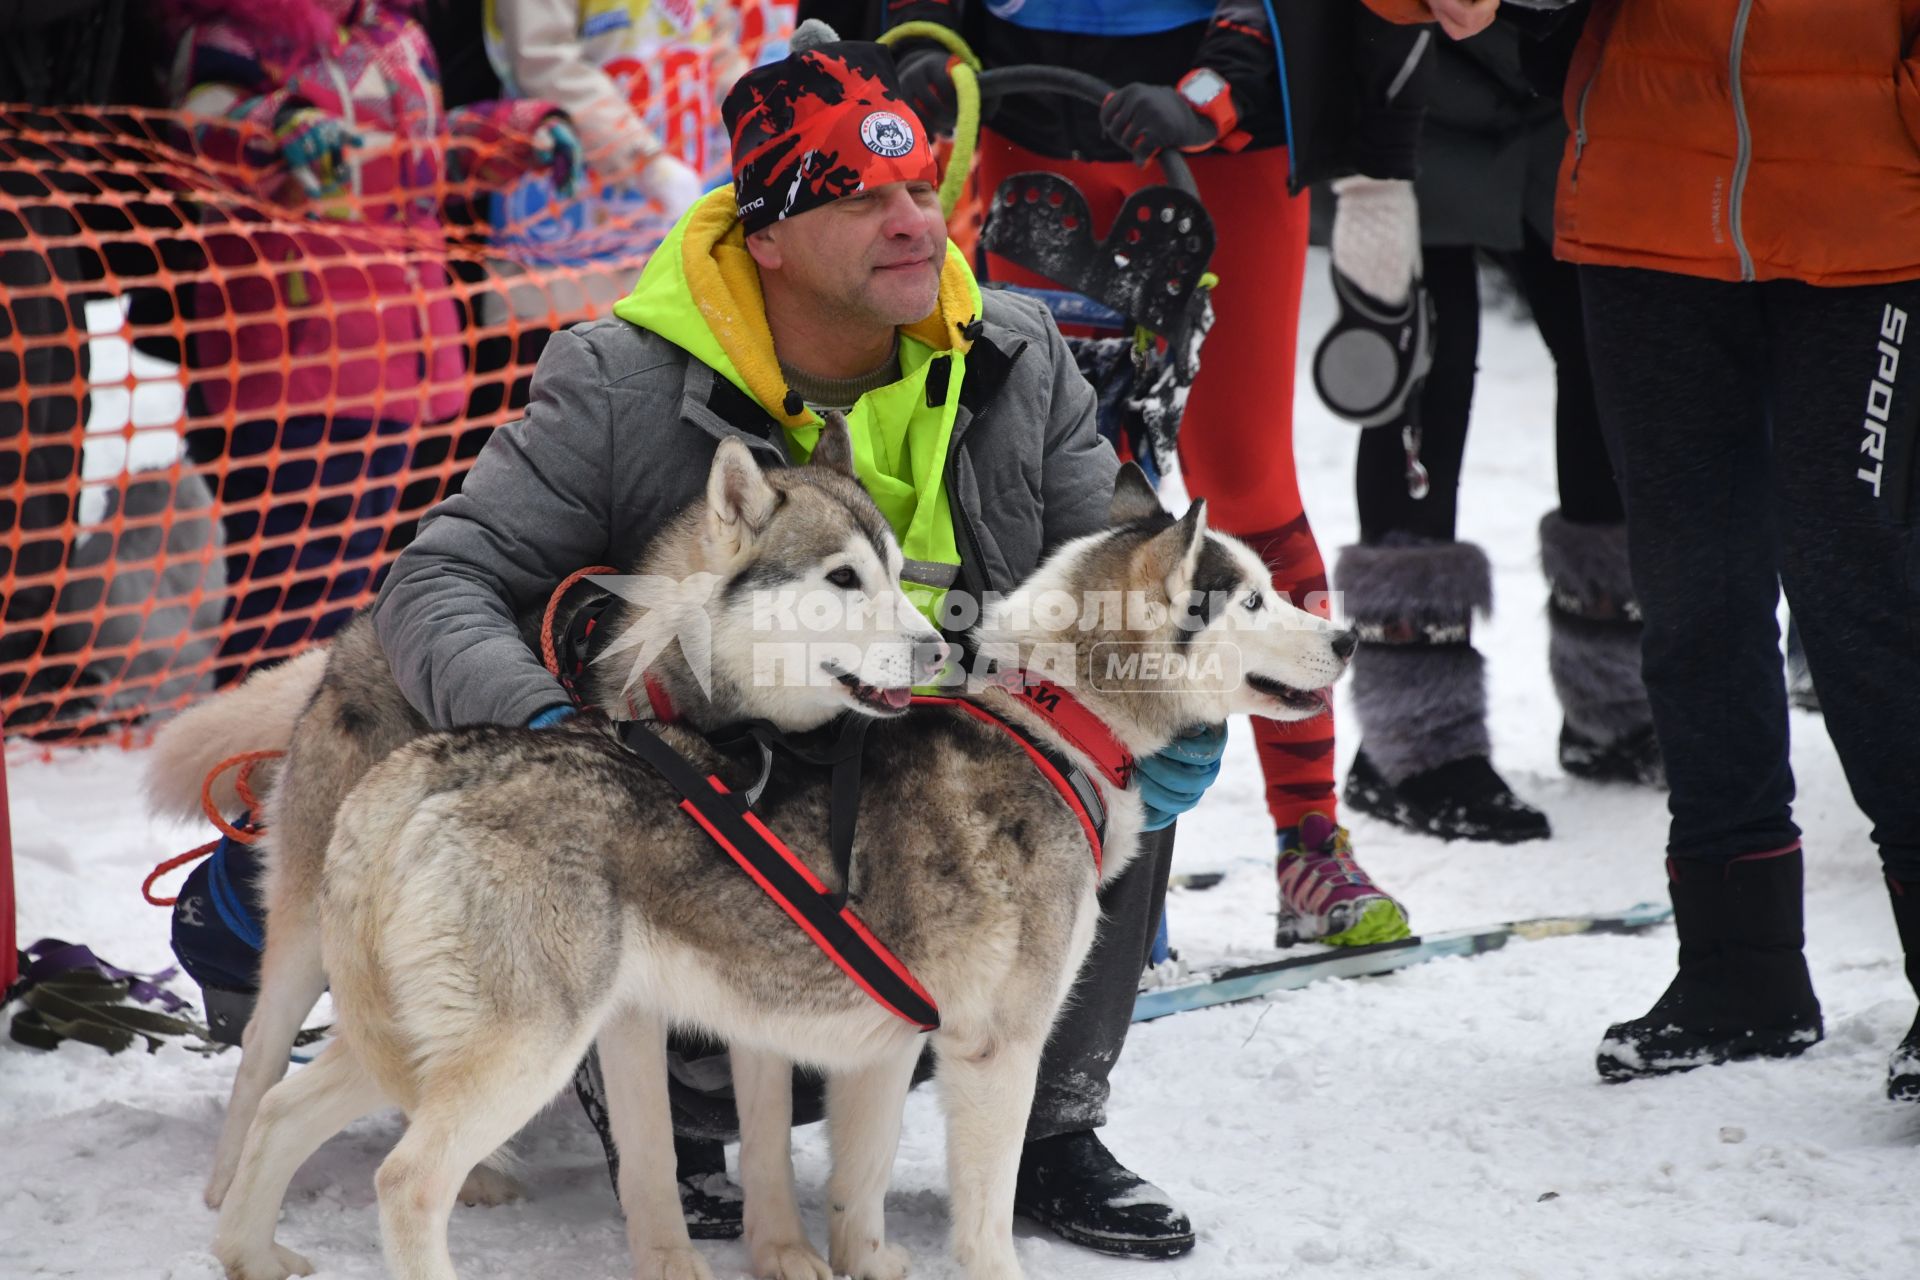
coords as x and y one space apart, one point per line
1442 1122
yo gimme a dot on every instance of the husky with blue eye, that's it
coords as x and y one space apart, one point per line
497 900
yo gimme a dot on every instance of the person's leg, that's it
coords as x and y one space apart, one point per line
1068 1180
1682 369
1903 1069
1847 418
1419 685
1236 451
1593 619
1386 504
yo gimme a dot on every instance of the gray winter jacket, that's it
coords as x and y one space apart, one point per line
620 434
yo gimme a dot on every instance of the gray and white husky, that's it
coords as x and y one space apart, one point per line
497 900
337 711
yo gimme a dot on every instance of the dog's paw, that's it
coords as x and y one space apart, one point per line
293 1262
278 1265
488 1186
874 1261
680 1263
789 1260
988 1260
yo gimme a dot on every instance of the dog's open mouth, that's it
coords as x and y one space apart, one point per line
1309 701
882 702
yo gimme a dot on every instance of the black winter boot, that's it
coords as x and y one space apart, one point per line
712 1203
1593 650
1903 1070
1743 990
1420 690
1072 1185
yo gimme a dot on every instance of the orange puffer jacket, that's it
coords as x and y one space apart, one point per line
1746 140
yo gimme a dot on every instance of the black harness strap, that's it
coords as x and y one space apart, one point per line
843 758
823 915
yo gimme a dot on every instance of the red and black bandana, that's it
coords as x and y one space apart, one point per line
820 125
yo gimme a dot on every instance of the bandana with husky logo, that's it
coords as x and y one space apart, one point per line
820 125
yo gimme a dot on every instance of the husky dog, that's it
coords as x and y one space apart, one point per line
338 712
497 900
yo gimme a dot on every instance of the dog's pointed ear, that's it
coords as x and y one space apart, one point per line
739 499
1171 558
834 448
1133 496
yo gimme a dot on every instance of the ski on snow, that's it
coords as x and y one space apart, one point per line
1230 983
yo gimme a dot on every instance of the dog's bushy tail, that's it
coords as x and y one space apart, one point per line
256 715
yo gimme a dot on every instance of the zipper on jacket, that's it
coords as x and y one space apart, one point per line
973 571
1744 158
1580 117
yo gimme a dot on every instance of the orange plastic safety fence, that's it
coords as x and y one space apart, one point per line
224 406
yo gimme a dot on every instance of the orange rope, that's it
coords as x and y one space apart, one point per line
251 760
549 652
247 762
181 860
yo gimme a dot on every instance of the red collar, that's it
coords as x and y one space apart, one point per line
1067 716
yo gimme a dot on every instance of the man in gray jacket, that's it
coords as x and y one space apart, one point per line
823 279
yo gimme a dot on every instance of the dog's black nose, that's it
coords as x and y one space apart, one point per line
1345 643
928 657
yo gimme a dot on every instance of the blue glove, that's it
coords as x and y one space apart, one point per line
315 147
1172 781
550 717
557 149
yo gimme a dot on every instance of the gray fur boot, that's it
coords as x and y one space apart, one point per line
1593 650
1419 687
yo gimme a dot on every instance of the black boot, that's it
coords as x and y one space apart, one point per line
1459 800
711 1201
1593 650
1072 1185
1743 990
1419 688
1903 1070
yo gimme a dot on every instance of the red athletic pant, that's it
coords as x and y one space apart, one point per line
1236 444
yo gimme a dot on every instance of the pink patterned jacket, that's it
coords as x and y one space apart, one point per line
352 315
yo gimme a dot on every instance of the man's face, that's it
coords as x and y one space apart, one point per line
874 258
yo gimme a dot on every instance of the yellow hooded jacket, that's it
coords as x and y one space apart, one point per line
701 292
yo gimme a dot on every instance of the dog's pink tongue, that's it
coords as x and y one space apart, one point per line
897 697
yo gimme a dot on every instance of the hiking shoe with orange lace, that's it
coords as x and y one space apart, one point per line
1325 896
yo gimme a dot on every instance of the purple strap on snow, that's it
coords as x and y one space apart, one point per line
52 957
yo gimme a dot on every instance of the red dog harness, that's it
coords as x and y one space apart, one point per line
826 916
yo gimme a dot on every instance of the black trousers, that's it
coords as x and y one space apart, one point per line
1765 434
1093 1027
1445 403
1075 1071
